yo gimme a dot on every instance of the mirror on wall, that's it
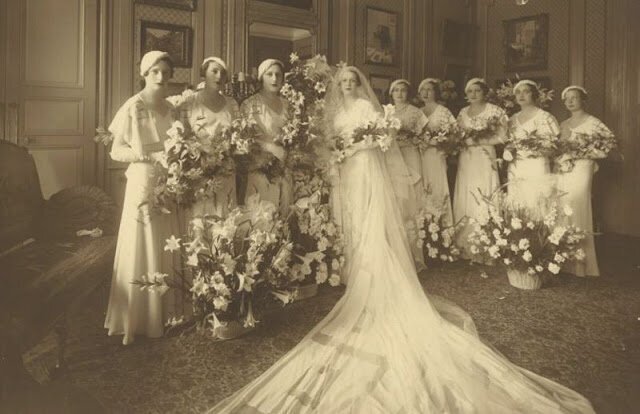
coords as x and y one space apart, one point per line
268 40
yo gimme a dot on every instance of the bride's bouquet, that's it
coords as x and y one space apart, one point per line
529 145
597 144
370 133
447 139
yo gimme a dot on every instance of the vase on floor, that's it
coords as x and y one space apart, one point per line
307 291
524 280
231 330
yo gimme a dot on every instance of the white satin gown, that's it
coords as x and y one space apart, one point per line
143 231
477 175
434 165
575 190
530 178
278 190
384 347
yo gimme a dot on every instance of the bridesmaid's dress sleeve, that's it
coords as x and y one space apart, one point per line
551 124
122 128
422 121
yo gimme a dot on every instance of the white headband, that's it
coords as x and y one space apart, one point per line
525 82
266 64
473 81
398 82
428 80
216 60
151 58
572 87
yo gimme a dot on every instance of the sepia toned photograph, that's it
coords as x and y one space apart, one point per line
319 207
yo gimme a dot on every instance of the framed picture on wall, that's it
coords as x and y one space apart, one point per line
380 85
172 4
526 43
173 39
381 41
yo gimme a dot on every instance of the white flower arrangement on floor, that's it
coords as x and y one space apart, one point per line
318 247
435 236
237 265
512 236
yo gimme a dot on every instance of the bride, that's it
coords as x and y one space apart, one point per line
386 347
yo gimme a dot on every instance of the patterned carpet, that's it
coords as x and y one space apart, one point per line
582 333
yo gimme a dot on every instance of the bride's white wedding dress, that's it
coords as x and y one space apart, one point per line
386 347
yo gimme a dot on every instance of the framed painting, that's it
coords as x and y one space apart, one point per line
526 43
381 37
170 38
380 85
172 4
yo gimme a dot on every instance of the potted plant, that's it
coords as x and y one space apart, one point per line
531 247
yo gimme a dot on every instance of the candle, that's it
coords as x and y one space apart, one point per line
240 76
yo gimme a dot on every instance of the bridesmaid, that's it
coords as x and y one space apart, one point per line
529 175
576 184
207 112
434 161
413 120
139 129
269 110
477 173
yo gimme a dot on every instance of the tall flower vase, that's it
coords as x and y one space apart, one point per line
523 280
307 291
231 330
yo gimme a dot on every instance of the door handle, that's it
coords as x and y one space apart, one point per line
26 141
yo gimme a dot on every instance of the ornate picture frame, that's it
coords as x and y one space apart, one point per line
173 39
526 43
381 37
171 4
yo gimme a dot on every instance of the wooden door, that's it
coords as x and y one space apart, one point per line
50 87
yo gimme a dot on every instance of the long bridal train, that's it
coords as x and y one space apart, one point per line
386 347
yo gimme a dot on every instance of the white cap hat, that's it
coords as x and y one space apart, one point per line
398 82
216 60
525 82
428 80
151 58
570 88
266 64
473 81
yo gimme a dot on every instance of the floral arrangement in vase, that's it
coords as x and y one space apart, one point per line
529 246
584 146
435 236
238 264
318 246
